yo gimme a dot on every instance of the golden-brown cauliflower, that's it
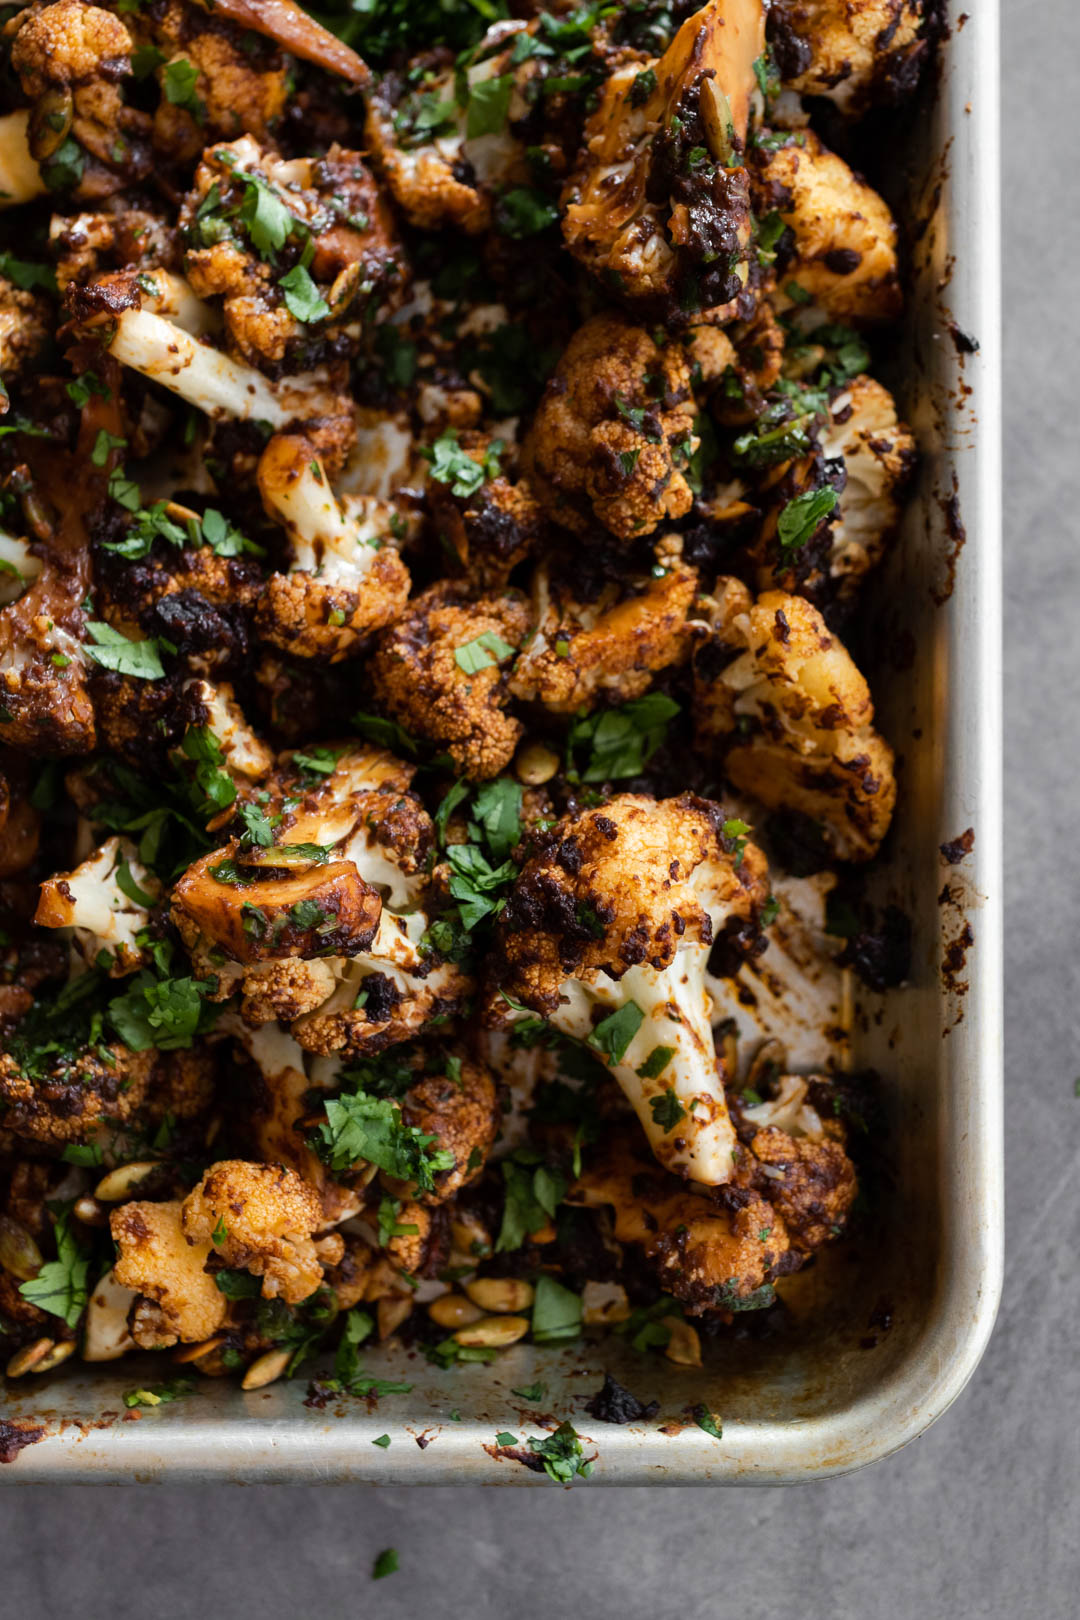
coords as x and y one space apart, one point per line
24 328
795 718
338 244
614 432
45 707
417 131
260 1217
456 1103
346 578
161 1263
69 57
65 1096
865 456
845 240
607 934
609 643
439 671
658 205
241 84
857 53
714 1249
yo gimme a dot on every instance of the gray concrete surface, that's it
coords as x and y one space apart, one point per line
975 1520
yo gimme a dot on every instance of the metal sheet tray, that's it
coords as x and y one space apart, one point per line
888 1332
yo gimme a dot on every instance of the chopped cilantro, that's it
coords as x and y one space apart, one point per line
385 1564
360 1127
557 1311
489 104
382 1440
452 465
667 1110
302 297
181 77
531 1392
482 653
27 275
656 1062
613 1034
523 212
160 1394
705 1420
800 517
562 1455
619 742
60 1287
139 659
533 1193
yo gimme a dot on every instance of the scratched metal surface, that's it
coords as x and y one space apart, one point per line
816 1401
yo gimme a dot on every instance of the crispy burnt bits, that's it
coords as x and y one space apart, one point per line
607 934
855 53
658 206
430 497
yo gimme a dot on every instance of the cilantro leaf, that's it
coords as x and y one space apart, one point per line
667 1110
60 1287
801 516
358 1127
613 1034
452 465
26 275
489 104
139 659
497 811
562 1455
705 1420
385 1564
482 653
533 1193
556 1313
656 1062
620 742
523 212
180 79
302 297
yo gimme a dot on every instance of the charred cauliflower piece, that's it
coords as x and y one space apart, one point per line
99 903
439 671
796 719
45 706
63 1096
326 936
241 84
167 1268
714 1250
856 53
614 432
69 58
844 256
607 934
418 133
458 1106
259 1217
489 528
346 578
317 237
585 649
658 206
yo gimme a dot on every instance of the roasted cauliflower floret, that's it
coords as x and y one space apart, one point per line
106 903
607 645
658 205
63 1096
325 934
799 1162
330 240
796 719
346 578
851 483
489 528
162 1264
241 84
213 706
440 671
419 137
607 932
844 255
44 703
259 1217
856 53
714 1250
458 1106
69 58
24 328
614 432
878 452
